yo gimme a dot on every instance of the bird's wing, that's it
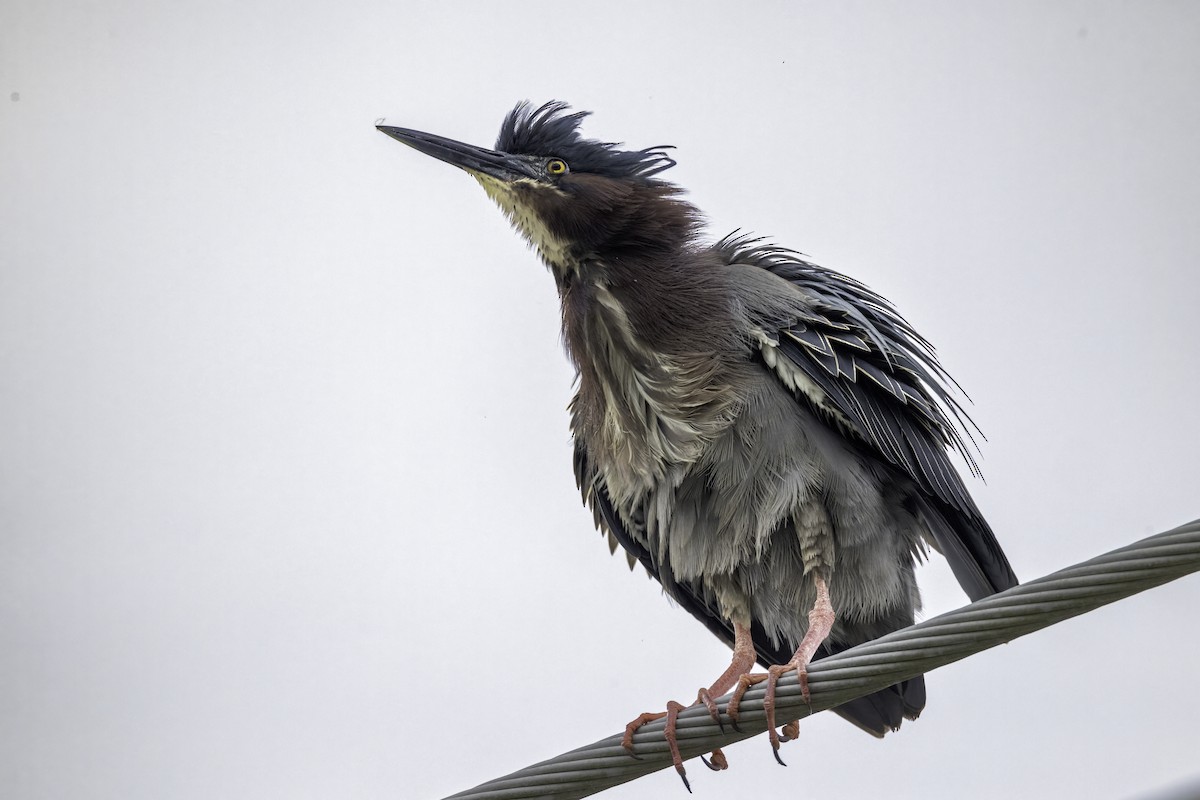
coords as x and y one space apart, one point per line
866 371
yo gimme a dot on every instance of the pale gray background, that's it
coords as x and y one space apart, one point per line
286 508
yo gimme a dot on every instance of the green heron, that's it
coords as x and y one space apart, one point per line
768 438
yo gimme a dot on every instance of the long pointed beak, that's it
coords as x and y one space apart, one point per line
464 156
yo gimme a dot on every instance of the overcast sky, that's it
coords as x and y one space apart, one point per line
286 505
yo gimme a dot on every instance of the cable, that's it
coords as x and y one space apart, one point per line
868 667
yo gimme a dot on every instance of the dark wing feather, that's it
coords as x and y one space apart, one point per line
876 713
884 388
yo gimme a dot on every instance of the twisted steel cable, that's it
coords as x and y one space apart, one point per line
869 667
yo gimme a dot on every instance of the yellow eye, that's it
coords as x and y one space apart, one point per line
556 166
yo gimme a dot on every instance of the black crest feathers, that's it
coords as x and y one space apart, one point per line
553 130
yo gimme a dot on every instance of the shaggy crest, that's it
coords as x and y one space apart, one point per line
550 130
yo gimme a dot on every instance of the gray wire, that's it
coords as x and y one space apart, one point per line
868 667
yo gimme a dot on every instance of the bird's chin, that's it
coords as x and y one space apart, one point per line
553 250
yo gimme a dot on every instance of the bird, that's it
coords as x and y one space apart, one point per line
770 439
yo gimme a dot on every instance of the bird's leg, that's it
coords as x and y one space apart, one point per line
820 623
741 663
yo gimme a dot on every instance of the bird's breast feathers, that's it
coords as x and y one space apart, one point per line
643 412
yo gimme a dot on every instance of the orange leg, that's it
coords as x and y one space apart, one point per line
820 623
742 662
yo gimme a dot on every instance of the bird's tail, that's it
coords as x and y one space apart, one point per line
884 711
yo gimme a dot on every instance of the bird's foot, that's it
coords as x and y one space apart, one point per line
672 715
743 660
820 623
715 762
771 676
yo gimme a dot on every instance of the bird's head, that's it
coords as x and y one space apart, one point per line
574 199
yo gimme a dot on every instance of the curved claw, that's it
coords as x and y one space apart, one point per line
683 776
773 674
718 762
